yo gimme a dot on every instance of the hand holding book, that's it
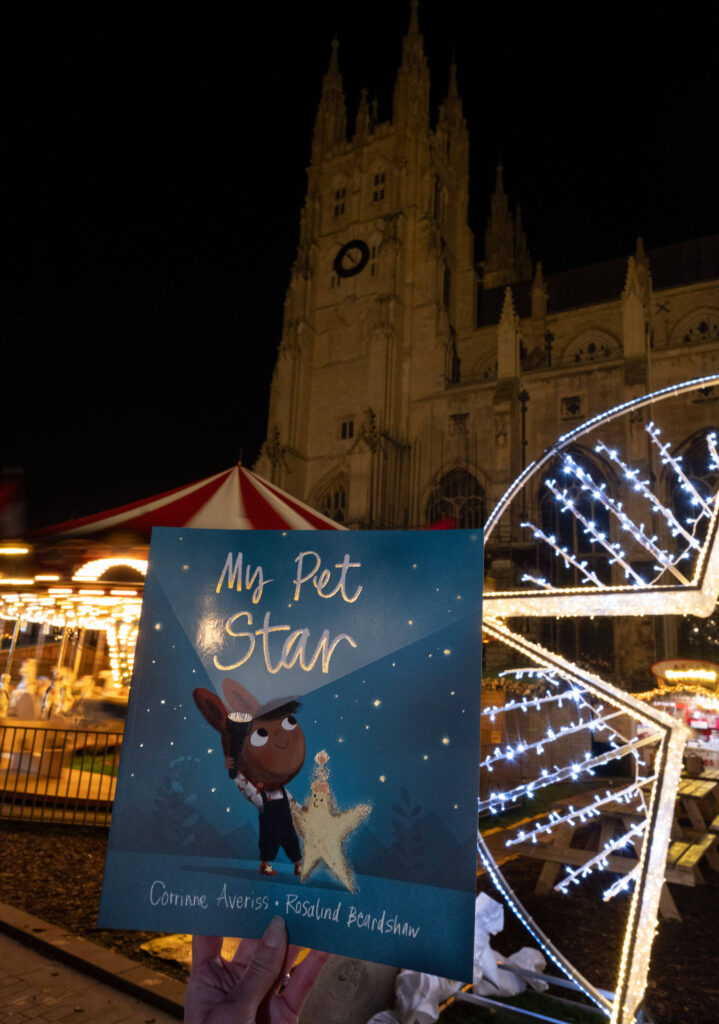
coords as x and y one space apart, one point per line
257 985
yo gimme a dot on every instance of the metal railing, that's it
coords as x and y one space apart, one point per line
61 775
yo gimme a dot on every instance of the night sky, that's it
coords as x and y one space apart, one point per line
155 173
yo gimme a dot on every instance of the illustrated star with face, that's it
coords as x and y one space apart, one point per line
324 829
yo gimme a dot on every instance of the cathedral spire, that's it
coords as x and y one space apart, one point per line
452 91
334 68
637 304
362 124
539 294
508 339
331 120
411 91
506 256
644 275
498 184
451 131
452 106
413 29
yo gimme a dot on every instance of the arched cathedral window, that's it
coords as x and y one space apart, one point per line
697 638
705 329
697 467
588 641
458 496
333 502
698 327
592 346
340 194
568 531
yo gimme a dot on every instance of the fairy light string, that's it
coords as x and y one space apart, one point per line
601 860
713 453
498 801
613 548
573 815
666 561
632 405
615 508
642 487
654 804
682 577
545 944
564 554
667 459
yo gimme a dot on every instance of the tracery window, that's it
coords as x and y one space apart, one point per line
706 329
592 346
333 502
458 496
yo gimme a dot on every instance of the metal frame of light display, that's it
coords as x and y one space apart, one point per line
684 580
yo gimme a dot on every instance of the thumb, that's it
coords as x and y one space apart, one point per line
263 970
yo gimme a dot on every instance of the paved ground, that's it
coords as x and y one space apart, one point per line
49 976
35 988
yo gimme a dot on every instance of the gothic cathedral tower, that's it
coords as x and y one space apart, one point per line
381 294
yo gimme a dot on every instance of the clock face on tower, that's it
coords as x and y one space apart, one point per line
352 258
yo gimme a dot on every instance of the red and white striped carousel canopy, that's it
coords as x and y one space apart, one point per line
235 499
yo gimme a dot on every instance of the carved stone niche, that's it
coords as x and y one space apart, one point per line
501 440
572 407
459 423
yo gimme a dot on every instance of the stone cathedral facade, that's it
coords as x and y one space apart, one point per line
413 383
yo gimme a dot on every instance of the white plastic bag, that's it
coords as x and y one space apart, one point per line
490 979
418 996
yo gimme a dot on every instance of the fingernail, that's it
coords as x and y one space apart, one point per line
275 933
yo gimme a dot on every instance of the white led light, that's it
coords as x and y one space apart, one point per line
603 704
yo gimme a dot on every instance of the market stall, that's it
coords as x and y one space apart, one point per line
687 690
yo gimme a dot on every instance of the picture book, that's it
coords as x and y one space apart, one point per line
303 739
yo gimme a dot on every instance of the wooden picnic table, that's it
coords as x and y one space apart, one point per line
686 851
694 794
557 849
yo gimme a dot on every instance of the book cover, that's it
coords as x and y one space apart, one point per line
303 739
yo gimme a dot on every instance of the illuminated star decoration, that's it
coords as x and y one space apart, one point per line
684 579
324 829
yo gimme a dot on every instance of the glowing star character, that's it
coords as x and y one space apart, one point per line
323 828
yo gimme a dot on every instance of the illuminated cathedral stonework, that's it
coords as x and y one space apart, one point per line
412 383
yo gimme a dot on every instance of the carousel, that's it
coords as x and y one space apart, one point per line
70 597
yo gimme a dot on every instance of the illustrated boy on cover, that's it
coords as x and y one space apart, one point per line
264 749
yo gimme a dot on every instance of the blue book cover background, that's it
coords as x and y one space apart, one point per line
378 636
